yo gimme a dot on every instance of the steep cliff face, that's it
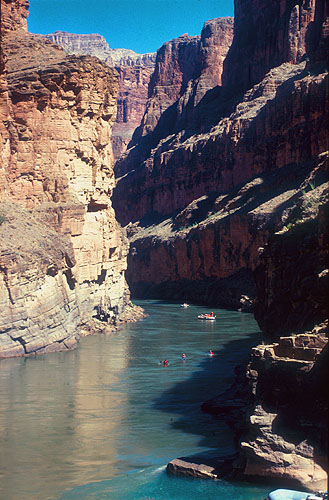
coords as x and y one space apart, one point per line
134 71
92 44
186 69
287 431
265 36
131 103
277 128
14 14
57 162
39 304
293 272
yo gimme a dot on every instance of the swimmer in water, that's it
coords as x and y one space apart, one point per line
165 363
183 357
211 353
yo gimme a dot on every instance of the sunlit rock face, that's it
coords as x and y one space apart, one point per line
131 103
57 162
186 69
14 14
91 44
134 72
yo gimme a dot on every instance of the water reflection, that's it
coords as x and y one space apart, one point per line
110 407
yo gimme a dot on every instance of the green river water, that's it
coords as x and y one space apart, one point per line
102 422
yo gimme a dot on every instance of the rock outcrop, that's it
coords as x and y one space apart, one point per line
96 45
134 71
131 102
186 69
287 432
293 270
90 44
57 163
265 37
287 427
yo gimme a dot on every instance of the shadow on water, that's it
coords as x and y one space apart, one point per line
213 376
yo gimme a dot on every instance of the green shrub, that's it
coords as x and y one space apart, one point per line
3 218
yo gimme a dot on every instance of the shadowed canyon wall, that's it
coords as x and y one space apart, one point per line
63 254
242 172
226 190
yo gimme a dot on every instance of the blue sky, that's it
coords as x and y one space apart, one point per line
140 25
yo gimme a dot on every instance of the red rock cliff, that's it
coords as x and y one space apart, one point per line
186 69
244 171
265 36
133 92
134 71
57 162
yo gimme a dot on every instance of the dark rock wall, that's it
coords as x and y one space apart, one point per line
131 103
186 69
265 36
292 277
278 125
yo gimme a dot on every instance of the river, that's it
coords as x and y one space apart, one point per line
102 422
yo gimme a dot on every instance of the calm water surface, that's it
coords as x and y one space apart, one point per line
101 422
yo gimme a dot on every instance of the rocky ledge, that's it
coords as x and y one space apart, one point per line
287 431
134 70
278 409
202 467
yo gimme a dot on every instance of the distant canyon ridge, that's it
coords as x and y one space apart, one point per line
134 75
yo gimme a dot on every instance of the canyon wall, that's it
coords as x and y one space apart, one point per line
133 92
63 258
229 191
269 36
286 434
242 171
134 71
186 69
78 44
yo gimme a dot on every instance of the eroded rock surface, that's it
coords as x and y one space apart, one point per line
186 69
236 178
235 181
57 162
134 71
287 433
131 102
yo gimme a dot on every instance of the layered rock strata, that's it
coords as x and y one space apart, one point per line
57 162
91 44
287 429
134 71
96 45
276 129
283 392
293 269
265 36
131 102
187 68
39 305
